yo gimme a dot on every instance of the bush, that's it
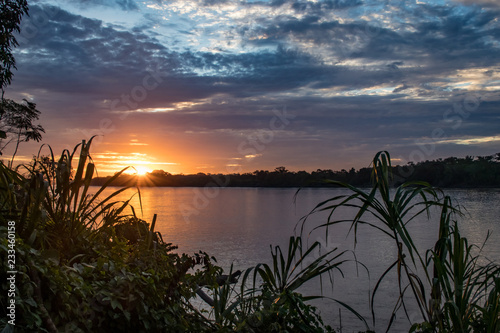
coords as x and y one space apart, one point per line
84 265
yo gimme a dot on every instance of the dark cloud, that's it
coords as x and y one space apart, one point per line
86 50
213 2
321 6
462 38
90 54
439 40
81 55
459 39
298 6
122 4
484 3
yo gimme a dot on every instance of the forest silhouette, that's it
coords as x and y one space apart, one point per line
468 172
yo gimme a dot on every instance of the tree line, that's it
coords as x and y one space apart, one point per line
468 172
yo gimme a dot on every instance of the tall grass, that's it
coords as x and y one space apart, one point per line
455 293
53 199
268 297
280 282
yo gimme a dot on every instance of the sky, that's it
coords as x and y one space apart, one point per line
223 86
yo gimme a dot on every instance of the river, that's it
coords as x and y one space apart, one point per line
238 225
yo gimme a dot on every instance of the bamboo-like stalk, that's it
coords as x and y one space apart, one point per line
453 275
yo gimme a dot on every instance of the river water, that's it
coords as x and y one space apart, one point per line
238 225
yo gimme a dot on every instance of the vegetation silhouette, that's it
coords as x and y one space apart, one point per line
468 172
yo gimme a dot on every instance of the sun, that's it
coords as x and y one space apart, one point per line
142 171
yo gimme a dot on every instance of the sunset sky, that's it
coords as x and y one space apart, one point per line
236 86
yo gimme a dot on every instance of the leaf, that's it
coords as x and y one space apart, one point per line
116 304
52 255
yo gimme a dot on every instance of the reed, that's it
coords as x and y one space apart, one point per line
274 296
55 200
456 292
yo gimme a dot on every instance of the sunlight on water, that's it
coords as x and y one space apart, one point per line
237 225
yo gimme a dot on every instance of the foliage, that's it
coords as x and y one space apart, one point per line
11 13
463 294
479 171
466 293
276 305
16 119
85 265
268 299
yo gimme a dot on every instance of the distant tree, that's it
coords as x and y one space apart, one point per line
281 169
451 160
161 173
488 158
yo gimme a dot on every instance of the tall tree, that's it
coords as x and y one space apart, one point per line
11 13
16 119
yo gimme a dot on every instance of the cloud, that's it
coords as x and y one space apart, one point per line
309 52
472 141
122 4
484 3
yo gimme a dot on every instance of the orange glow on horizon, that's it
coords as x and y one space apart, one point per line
182 153
136 163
